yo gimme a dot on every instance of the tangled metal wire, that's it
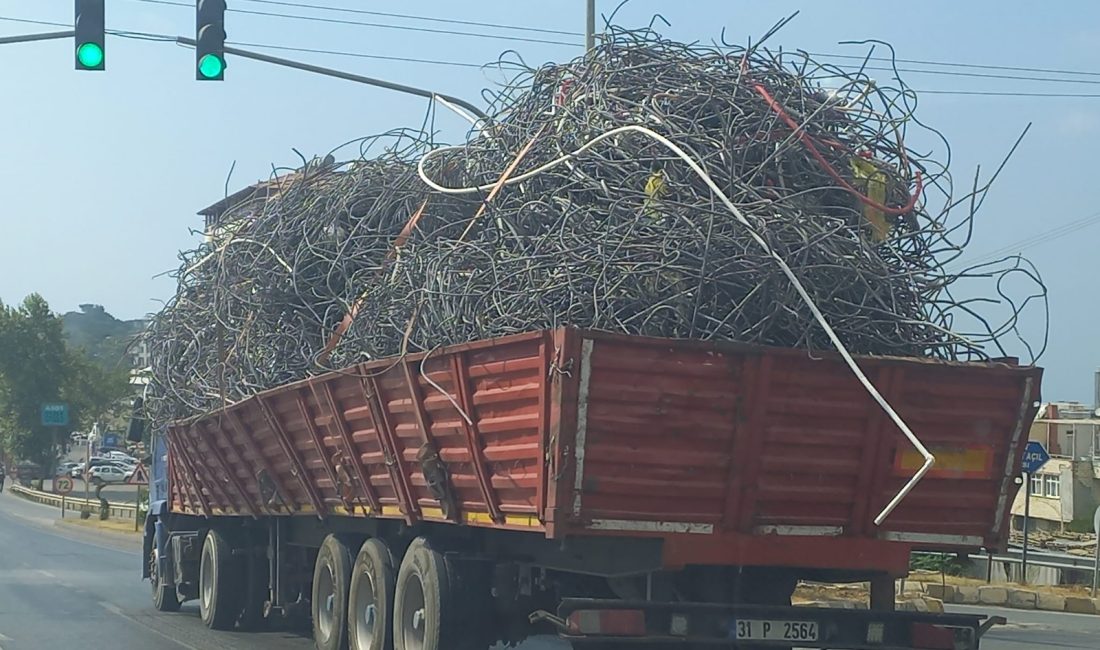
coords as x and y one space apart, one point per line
552 213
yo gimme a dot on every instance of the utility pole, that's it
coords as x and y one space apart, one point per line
1027 524
590 26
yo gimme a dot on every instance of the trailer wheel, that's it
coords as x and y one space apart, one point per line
219 583
370 603
427 613
165 598
331 583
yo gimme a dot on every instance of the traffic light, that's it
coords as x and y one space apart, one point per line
89 39
209 40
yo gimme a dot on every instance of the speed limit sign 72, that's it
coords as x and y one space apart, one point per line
63 485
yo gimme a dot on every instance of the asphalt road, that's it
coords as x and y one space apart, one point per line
62 586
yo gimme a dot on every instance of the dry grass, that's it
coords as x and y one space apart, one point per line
111 525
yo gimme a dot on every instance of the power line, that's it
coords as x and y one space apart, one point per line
981 75
28 21
359 23
954 64
149 36
1002 93
449 21
1036 239
287 48
463 64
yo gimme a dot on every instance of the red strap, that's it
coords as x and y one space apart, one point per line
809 142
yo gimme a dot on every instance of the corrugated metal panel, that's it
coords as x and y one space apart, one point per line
578 432
749 439
366 440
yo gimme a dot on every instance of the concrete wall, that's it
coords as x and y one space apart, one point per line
1056 511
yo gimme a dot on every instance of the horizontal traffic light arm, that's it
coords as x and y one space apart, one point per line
30 38
339 74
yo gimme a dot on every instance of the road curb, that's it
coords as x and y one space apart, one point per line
1016 598
993 596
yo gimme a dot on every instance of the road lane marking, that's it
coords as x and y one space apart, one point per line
111 607
116 610
46 573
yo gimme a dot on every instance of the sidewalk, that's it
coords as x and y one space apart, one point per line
929 592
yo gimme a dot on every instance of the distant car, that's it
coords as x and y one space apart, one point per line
65 469
109 474
119 455
96 461
78 437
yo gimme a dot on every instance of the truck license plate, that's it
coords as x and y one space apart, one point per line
759 630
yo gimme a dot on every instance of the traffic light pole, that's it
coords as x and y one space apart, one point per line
447 100
30 38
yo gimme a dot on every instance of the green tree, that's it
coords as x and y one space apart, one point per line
36 366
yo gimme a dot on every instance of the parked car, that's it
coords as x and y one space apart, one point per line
65 469
109 474
96 461
119 455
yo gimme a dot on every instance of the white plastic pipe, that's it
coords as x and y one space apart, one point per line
929 459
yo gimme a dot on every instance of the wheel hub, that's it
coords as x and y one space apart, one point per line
366 609
206 580
326 592
413 625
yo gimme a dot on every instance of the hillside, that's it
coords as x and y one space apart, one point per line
102 336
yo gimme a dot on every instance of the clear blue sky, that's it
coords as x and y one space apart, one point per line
102 173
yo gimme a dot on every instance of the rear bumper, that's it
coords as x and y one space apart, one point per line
671 625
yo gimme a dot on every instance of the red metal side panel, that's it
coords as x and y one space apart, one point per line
717 447
679 438
457 435
654 426
975 420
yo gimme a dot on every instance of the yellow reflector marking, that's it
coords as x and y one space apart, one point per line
973 462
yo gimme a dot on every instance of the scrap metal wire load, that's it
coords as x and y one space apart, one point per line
570 207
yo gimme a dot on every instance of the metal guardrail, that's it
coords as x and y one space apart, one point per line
124 511
1040 557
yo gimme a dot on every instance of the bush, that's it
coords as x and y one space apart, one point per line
939 562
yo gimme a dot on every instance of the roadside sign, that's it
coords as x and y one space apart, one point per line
1096 557
1035 456
139 477
63 485
111 441
55 414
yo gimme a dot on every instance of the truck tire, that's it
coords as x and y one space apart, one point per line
428 614
165 598
423 600
331 584
370 602
219 583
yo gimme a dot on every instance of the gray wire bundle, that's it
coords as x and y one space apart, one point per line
552 217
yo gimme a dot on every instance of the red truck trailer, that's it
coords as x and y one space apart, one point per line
614 490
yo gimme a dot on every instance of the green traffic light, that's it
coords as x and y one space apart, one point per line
211 66
90 55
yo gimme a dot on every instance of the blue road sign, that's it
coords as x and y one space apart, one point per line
1035 456
112 441
55 414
